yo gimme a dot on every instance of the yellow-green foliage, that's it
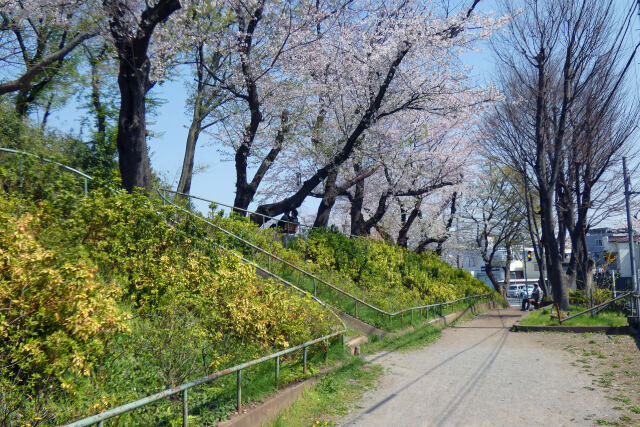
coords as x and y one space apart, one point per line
600 296
390 272
385 275
54 314
94 287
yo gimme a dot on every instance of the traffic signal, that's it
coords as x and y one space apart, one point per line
529 255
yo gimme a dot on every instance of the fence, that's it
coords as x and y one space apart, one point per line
264 219
86 178
99 418
338 298
438 309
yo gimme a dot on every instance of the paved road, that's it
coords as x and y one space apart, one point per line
473 375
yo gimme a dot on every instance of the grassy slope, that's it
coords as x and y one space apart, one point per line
386 276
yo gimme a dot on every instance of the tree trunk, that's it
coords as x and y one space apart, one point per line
452 215
588 279
133 81
47 112
555 271
328 200
357 220
403 234
492 277
507 266
184 185
203 105
246 191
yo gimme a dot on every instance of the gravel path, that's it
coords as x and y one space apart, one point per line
473 376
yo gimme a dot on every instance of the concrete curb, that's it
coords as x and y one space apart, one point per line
269 409
449 318
609 330
360 326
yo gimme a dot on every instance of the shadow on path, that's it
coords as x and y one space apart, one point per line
471 383
453 405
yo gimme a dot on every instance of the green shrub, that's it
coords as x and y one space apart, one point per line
600 296
131 298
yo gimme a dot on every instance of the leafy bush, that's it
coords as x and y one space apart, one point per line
600 296
125 298
386 276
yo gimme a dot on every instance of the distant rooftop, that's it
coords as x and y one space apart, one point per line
607 230
622 238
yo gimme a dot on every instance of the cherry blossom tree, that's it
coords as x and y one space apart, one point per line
375 62
256 100
494 210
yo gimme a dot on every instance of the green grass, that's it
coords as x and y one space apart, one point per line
214 401
417 338
607 423
332 397
338 391
542 317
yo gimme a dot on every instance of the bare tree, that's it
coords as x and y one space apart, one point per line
562 61
494 210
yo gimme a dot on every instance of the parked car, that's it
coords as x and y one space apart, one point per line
519 290
514 291
524 292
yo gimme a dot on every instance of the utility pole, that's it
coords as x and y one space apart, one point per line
524 270
634 273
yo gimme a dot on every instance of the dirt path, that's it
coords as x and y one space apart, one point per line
473 375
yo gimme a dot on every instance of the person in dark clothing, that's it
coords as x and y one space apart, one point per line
283 223
293 225
535 298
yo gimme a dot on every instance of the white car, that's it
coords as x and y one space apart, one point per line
526 292
519 290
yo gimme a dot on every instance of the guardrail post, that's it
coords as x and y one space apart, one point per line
342 340
277 370
304 361
185 409
412 315
402 318
390 322
269 264
100 423
355 311
20 171
326 352
315 287
86 187
239 390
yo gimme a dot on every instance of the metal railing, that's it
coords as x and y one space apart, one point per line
99 418
265 218
599 307
183 388
356 304
86 177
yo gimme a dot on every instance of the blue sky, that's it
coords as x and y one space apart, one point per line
217 182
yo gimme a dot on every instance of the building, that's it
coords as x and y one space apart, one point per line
472 261
609 248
